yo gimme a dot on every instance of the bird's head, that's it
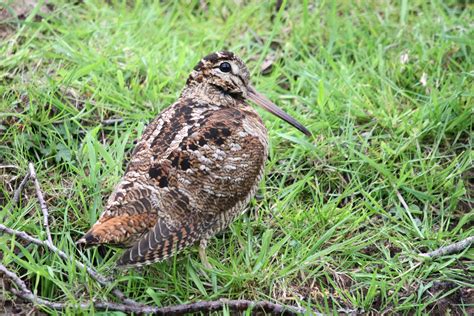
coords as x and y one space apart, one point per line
227 74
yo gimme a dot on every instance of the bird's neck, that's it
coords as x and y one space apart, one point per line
208 93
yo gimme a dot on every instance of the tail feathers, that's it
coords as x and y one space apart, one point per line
160 243
89 239
122 230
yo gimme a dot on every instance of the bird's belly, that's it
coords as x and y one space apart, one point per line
237 204
228 175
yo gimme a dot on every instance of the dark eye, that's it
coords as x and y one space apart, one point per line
225 67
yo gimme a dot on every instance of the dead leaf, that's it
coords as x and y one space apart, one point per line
424 79
267 64
404 58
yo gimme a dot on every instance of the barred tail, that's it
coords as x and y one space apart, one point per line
160 243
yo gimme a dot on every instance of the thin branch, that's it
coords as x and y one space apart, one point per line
449 249
42 203
8 167
19 190
112 121
234 305
93 274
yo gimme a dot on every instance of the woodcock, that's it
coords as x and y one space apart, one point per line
195 168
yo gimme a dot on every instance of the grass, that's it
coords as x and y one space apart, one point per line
328 230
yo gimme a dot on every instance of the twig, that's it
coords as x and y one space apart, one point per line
449 249
8 167
94 274
42 203
235 305
112 121
19 190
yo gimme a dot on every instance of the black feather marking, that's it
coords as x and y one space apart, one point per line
185 164
163 182
89 239
154 172
226 132
175 161
127 185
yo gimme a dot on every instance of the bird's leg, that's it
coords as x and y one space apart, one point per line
203 256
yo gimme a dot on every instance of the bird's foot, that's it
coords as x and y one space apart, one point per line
203 256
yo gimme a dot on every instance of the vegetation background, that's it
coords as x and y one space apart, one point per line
386 87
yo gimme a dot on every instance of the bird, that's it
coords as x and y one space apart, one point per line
194 169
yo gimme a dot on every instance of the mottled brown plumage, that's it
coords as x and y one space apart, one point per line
195 168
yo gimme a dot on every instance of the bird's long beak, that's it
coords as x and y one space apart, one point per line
272 108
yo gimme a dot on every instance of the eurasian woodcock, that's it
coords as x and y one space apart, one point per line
195 168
